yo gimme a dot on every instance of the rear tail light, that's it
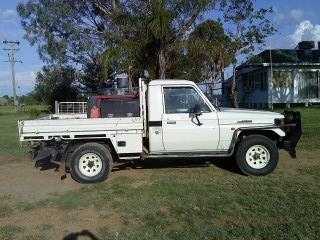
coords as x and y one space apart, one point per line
95 112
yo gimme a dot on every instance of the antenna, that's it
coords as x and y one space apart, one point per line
12 47
271 73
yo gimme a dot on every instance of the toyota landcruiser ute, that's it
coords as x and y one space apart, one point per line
165 119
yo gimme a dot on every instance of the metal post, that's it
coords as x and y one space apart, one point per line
56 107
271 78
12 49
15 100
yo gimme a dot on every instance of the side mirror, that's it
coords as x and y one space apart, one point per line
195 112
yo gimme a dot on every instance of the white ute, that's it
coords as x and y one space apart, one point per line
176 120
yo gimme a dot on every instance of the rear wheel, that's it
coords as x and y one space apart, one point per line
90 163
257 155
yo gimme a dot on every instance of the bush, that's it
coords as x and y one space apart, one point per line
34 111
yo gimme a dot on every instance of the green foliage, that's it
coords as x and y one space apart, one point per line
6 100
209 51
8 232
34 113
64 31
248 27
9 145
168 38
28 99
160 30
56 84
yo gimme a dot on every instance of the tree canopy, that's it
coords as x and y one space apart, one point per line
193 39
54 84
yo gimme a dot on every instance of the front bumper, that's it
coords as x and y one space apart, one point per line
293 128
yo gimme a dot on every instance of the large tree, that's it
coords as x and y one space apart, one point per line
137 33
209 52
150 34
248 28
56 84
99 37
65 31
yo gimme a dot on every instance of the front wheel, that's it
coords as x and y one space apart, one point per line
90 163
257 155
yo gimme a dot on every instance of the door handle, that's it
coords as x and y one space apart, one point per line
171 122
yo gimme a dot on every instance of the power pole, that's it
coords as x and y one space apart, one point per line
271 77
12 47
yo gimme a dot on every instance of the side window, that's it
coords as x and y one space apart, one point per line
182 99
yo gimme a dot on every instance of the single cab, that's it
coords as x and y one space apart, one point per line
172 118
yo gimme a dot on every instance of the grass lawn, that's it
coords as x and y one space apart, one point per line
9 145
175 200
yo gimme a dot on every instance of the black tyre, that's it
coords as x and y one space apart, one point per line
91 163
257 155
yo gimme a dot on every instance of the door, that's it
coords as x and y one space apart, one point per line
180 131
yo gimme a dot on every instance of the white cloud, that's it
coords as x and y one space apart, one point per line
289 16
305 31
296 14
8 23
8 15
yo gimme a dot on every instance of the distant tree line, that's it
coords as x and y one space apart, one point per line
27 99
84 42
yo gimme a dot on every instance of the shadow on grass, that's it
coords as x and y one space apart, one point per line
227 164
85 234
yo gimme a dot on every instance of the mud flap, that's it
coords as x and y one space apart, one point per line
44 157
293 129
48 158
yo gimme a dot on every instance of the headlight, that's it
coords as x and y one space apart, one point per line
279 121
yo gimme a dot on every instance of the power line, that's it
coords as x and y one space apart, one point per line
12 47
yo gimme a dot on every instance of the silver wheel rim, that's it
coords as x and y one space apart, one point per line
90 164
257 156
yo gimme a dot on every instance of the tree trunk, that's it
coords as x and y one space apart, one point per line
234 94
114 6
162 64
130 85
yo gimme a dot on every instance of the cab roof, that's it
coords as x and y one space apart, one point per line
170 82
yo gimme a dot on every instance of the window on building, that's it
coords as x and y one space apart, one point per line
245 80
308 85
264 80
255 80
251 81
258 79
282 79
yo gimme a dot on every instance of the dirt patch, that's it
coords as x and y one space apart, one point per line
20 179
10 159
58 223
304 160
25 182
22 182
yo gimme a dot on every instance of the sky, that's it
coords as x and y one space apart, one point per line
296 20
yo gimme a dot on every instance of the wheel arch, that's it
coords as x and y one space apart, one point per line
275 134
